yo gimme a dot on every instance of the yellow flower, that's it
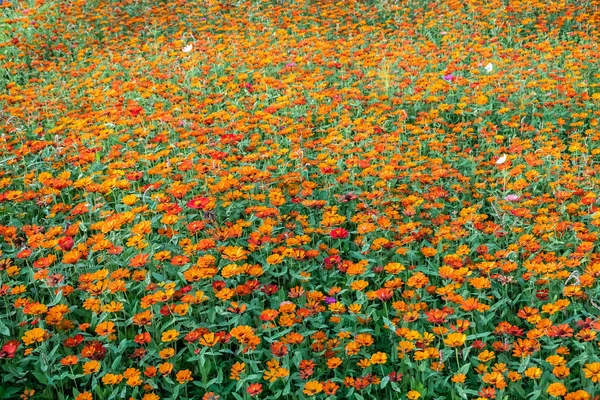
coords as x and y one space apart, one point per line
311 388
34 335
413 395
129 200
486 356
169 336
533 373
455 339
379 358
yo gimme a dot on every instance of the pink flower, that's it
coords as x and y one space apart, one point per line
512 197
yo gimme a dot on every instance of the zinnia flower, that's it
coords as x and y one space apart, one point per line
34 335
184 376
311 388
169 336
91 367
556 389
455 339
254 389
339 233
9 349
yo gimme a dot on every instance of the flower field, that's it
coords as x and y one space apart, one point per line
299 200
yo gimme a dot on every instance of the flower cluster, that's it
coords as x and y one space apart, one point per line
364 199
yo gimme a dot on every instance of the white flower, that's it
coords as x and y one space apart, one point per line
489 68
501 160
188 48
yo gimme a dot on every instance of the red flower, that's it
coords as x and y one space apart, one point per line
269 289
134 176
73 341
395 376
66 243
339 233
254 389
478 344
331 261
9 349
198 203
384 294
24 253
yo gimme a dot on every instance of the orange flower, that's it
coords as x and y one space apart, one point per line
91 367
268 315
165 368
166 353
236 370
311 388
184 376
143 319
334 362
556 389
69 360
592 371
105 328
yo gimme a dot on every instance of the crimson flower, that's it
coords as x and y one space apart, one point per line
9 349
339 233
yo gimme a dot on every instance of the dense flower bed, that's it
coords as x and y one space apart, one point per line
311 199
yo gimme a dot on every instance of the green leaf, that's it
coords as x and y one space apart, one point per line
115 363
41 377
389 324
56 300
4 329
524 364
464 369
384 382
